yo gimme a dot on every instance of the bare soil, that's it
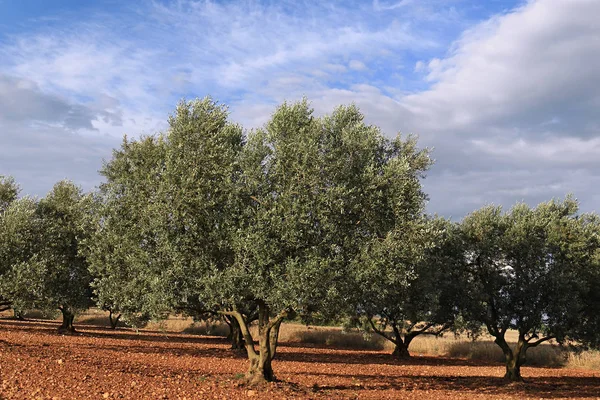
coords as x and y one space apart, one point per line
98 363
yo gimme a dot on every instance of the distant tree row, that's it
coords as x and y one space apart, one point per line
306 217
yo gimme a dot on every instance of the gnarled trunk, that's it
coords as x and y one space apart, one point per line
513 371
67 322
514 357
260 369
18 315
400 343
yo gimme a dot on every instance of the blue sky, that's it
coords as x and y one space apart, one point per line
506 92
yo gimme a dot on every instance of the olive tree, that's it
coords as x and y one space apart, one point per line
317 193
45 268
531 270
122 247
9 191
407 284
257 226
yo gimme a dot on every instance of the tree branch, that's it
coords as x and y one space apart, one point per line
542 340
379 332
245 331
424 331
278 318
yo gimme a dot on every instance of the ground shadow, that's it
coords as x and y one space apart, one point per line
541 387
373 358
51 327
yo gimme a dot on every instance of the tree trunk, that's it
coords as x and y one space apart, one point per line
260 369
18 315
401 350
67 323
114 321
513 371
274 338
235 335
514 358
401 344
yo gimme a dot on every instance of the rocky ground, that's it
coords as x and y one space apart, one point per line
97 363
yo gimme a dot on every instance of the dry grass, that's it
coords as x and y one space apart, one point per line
584 360
546 355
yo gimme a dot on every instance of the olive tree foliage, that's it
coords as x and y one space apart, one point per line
42 241
408 283
316 193
9 191
122 250
532 270
166 215
17 227
260 226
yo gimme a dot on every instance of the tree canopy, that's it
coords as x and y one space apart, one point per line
40 252
272 219
529 270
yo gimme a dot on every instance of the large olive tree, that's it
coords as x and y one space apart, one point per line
532 270
262 225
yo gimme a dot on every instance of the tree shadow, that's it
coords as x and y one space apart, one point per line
540 387
50 327
212 352
363 358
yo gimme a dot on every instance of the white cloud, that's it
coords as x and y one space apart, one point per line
511 108
357 65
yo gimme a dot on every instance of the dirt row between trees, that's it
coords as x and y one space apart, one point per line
96 363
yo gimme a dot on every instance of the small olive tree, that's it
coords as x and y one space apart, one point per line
45 268
122 248
407 284
532 270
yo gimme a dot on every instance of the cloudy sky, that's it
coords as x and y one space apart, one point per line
507 92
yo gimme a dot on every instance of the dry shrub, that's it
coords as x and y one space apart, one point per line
584 360
336 337
95 320
207 328
93 316
546 355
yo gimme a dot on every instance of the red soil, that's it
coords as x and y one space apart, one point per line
96 363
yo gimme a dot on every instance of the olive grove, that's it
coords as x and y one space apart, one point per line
307 217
